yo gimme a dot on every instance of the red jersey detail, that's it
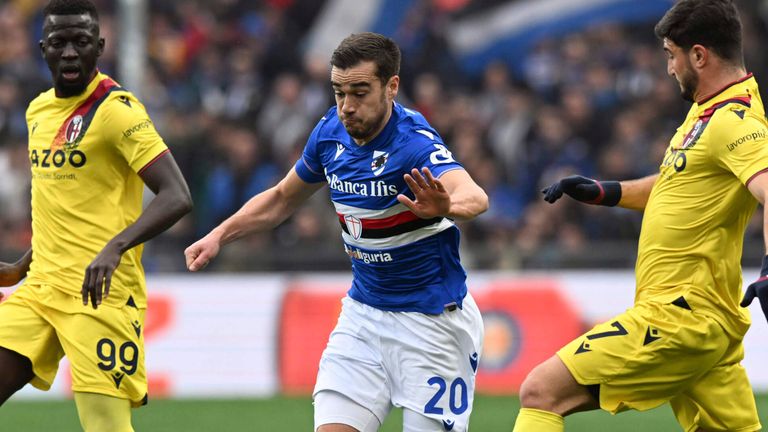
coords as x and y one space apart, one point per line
61 136
155 159
388 222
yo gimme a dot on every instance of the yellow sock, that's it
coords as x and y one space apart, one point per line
533 420
102 413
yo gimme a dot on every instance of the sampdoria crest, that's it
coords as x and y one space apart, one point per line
379 161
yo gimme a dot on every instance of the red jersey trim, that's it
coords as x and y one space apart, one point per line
755 175
388 222
741 100
155 159
83 110
740 80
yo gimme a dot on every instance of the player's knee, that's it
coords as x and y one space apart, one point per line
550 387
12 382
534 394
9 386
15 373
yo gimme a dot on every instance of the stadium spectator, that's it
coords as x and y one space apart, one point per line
241 175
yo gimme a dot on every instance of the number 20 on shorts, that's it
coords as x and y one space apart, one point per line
458 399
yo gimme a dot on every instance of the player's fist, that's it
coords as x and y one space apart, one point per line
200 253
584 189
759 289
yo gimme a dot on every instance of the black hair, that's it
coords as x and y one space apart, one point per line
71 7
714 24
367 46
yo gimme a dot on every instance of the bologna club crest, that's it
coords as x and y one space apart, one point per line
73 129
354 226
379 160
694 134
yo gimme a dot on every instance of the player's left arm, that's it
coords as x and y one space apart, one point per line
758 186
136 140
742 149
454 195
172 201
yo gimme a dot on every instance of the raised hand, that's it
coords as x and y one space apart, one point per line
432 199
584 189
759 289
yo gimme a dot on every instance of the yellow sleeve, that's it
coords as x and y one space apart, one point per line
740 145
132 131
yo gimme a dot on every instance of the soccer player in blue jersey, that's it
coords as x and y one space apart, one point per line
409 334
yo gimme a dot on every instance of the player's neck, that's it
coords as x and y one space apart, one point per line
718 82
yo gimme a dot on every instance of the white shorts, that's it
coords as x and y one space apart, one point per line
423 363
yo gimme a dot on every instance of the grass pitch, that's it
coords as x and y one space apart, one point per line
286 414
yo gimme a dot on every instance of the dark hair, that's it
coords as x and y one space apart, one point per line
71 7
714 24
368 46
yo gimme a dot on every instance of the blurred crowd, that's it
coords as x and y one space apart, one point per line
233 95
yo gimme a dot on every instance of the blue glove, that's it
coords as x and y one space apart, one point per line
759 289
590 191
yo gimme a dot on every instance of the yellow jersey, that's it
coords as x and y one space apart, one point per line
693 226
86 154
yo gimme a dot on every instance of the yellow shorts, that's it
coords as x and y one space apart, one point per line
105 346
655 353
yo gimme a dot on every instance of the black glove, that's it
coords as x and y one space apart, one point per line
590 191
759 289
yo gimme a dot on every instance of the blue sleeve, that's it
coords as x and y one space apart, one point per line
309 167
433 153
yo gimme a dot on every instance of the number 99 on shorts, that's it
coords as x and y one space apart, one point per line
110 354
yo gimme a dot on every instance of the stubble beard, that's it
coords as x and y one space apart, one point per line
688 85
366 129
66 89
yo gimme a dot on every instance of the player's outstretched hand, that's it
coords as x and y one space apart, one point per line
759 289
200 253
584 189
98 275
11 274
6 275
432 199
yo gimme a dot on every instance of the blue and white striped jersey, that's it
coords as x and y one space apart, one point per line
400 262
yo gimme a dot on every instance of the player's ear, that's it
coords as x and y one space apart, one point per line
699 55
393 85
100 50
